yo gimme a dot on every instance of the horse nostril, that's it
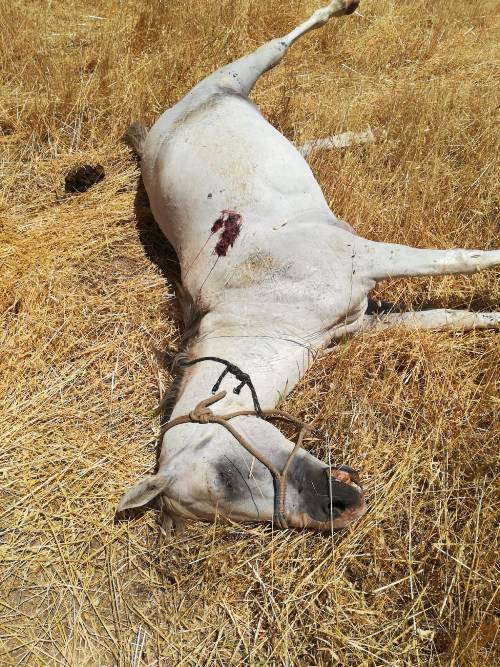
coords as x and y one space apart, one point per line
338 504
334 508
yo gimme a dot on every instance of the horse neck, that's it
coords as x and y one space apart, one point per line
275 364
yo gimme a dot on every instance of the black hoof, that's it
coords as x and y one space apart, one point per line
352 8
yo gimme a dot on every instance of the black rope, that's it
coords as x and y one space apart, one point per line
240 375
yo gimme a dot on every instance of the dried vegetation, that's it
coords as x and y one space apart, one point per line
84 309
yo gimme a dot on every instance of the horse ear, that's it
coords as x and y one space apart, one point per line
143 492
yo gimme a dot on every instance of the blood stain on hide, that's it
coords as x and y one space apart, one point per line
218 224
230 222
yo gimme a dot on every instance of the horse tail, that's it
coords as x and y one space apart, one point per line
135 137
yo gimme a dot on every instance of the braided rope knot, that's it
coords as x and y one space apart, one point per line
201 415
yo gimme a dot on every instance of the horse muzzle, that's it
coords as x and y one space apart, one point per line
346 502
346 496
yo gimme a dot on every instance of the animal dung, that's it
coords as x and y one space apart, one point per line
6 128
82 178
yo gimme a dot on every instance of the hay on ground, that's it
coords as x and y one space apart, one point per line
84 308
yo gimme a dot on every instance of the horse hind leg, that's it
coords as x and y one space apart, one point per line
241 75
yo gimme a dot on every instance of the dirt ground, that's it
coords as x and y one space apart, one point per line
85 308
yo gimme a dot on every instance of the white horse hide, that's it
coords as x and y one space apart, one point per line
275 277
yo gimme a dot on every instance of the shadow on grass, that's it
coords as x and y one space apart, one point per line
161 253
156 247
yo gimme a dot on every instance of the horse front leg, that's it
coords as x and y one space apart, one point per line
442 319
379 261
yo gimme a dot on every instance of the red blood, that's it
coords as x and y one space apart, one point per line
231 221
218 224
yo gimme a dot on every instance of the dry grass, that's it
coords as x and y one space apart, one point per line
83 310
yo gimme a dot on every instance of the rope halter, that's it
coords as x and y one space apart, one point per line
202 414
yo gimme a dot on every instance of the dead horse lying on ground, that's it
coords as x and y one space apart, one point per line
274 277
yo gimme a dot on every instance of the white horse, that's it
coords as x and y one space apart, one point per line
273 277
